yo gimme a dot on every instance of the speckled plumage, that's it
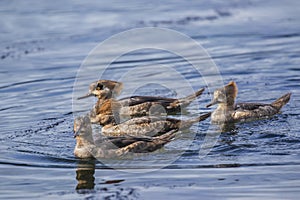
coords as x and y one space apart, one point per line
228 111
111 147
108 108
150 126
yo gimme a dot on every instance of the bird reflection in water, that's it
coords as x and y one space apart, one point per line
85 176
86 179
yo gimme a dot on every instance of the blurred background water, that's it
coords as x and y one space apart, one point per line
42 47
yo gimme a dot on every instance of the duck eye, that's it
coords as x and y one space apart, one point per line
99 86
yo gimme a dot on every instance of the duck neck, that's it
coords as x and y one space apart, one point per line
222 113
107 106
82 147
226 106
107 111
84 140
100 104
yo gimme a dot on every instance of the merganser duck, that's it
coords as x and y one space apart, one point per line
134 106
112 147
228 111
149 125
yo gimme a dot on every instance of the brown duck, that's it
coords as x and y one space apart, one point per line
229 111
113 147
135 106
149 125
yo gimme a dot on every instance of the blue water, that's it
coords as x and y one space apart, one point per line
43 45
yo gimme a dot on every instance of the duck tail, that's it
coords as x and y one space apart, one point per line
188 123
167 137
281 101
160 141
188 99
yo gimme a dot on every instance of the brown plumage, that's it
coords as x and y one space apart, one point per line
150 126
108 108
104 89
112 147
228 111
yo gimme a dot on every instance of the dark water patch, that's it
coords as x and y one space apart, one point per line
288 35
249 54
166 60
35 81
215 15
17 50
237 149
295 68
227 36
8 108
21 163
24 82
268 135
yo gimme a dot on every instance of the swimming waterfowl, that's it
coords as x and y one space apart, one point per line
149 125
133 106
112 147
228 111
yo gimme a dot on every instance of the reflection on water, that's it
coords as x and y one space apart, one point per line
85 176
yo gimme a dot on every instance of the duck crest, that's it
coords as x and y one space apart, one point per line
231 89
230 92
114 86
104 89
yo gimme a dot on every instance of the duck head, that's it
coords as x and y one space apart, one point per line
225 95
82 127
104 89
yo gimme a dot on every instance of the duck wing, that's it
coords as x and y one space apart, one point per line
249 106
148 146
277 104
135 100
121 141
164 101
248 111
142 126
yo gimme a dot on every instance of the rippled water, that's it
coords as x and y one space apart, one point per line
43 45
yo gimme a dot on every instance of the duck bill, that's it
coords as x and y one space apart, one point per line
213 102
77 133
85 96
